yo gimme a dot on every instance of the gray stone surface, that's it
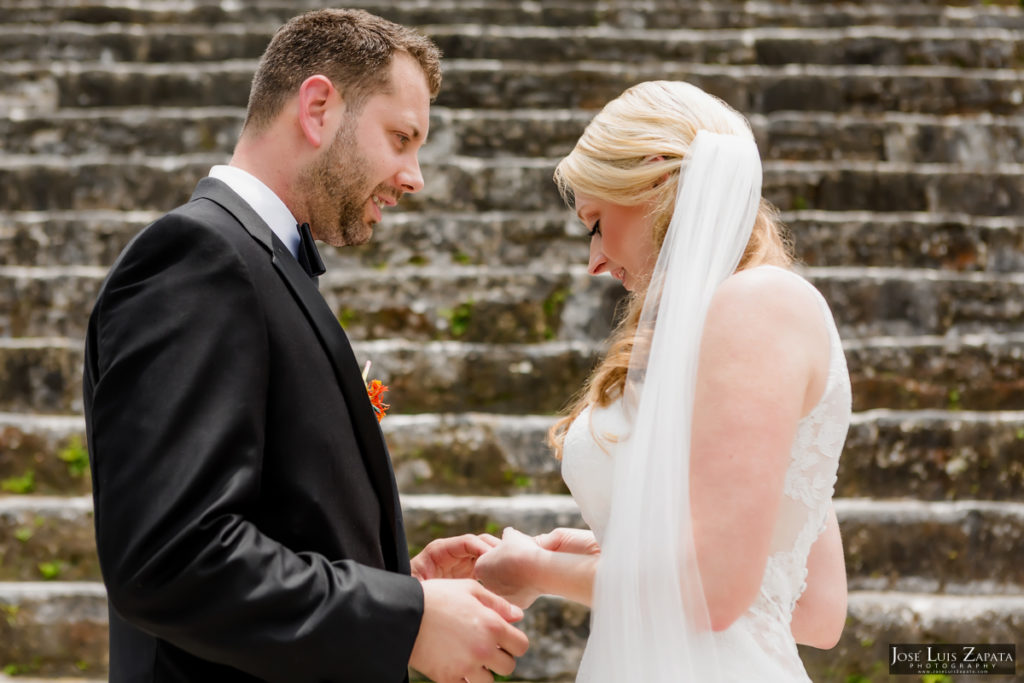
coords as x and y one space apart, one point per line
948 242
978 48
72 619
967 547
630 14
972 372
920 455
526 304
976 140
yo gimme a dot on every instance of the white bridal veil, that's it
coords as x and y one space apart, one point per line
650 621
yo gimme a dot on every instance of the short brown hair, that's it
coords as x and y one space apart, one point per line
353 48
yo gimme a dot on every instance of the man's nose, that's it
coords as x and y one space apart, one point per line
410 179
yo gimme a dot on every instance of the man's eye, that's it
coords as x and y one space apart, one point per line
402 139
596 230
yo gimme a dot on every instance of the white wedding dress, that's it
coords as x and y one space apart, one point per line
759 646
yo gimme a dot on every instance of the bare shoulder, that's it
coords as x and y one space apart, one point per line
771 297
765 332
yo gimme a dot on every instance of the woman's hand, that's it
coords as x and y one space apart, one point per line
562 540
508 568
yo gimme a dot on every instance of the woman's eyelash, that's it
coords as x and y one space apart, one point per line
596 230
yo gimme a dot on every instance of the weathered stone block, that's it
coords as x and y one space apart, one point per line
942 241
927 455
963 548
475 454
752 89
523 239
894 188
990 50
980 141
43 455
36 302
52 184
980 373
131 132
877 619
934 455
664 14
43 538
973 373
869 302
58 238
51 630
530 239
41 375
456 377
138 43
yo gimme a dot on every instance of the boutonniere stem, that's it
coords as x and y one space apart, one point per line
375 390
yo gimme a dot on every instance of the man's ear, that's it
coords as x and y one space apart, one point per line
317 97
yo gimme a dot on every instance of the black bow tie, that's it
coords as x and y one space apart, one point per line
309 257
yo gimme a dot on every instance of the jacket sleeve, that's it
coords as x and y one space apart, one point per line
175 395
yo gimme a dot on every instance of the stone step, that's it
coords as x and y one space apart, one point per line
936 239
61 628
52 629
976 543
982 140
458 184
972 372
666 14
981 48
492 304
964 548
751 89
43 454
770 46
493 84
946 241
924 455
877 619
934 455
47 538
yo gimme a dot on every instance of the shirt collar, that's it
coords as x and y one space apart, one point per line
263 201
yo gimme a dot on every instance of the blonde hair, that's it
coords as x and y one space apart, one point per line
632 154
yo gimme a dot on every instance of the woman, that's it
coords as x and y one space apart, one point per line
703 450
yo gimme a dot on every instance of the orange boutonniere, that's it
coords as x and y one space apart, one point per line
375 390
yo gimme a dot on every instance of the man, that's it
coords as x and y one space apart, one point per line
247 519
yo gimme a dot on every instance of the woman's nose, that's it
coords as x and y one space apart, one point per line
598 261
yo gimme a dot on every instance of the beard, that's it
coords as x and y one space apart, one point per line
337 189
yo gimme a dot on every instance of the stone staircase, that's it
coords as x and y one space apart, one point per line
893 139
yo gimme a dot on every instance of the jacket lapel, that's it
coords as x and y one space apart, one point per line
367 430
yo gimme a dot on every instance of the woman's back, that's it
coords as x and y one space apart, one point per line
761 637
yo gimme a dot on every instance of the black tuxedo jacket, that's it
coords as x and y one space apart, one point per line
247 519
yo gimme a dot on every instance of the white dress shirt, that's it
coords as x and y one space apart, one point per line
263 201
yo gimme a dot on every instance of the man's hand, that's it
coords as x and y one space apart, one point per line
509 568
451 558
561 540
466 633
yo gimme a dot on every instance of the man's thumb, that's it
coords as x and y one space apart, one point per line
509 612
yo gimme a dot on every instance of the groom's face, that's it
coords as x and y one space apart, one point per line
373 159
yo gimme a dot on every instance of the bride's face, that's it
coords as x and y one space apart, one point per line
620 241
